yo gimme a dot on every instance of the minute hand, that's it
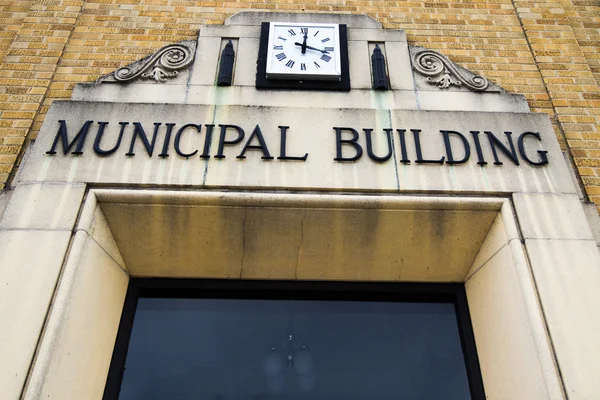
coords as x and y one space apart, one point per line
312 48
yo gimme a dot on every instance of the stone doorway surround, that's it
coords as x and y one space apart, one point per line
123 233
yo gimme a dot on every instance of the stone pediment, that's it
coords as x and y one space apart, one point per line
419 78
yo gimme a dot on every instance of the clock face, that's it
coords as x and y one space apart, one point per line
303 51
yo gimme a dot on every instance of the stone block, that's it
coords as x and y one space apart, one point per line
132 93
360 65
591 213
50 206
245 65
258 17
568 219
439 100
311 130
376 35
514 352
247 95
399 68
30 263
496 239
470 176
314 136
292 238
87 311
206 61
567 276
101 233
4 200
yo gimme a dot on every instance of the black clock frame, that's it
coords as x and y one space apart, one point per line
343 85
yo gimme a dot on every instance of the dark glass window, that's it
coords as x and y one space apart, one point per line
270 340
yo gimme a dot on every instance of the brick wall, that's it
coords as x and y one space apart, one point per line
39 31
547 50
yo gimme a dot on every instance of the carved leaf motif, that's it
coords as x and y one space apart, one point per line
443 73
445 81
159 74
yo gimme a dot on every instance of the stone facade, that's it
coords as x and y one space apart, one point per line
547 51
204 183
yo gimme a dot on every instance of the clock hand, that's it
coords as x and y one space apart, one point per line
304 42
312 48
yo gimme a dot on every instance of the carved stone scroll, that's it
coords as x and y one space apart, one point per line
442 72
160 66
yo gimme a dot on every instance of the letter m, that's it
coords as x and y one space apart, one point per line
79 139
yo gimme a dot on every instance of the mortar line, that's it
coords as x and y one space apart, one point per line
27 140
52 300
539 299
558 123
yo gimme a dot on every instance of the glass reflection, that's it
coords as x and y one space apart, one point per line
283 349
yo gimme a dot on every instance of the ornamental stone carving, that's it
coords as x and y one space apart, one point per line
442 72
161 66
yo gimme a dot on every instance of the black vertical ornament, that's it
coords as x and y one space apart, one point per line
226 65
380 80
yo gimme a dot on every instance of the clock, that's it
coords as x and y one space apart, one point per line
304 51
303 56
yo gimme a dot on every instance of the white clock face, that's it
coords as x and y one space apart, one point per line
303 51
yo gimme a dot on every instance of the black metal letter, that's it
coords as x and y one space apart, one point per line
401 133
226 65
420 159
262 146
449 156
64 138
223 142
495 142
165 149
543 157
372 155
353 142
138 130
380 79
282 147
178 139
97 148
207 141
480 159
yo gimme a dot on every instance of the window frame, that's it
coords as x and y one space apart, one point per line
294 290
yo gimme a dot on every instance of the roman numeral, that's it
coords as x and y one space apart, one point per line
303 30
281 56
317 65
292 33
316 33
282 38
303 67
329 48
325 40
290 63
325 58
278 47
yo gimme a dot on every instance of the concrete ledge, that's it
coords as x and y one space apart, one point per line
257 17
470 101
300 200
